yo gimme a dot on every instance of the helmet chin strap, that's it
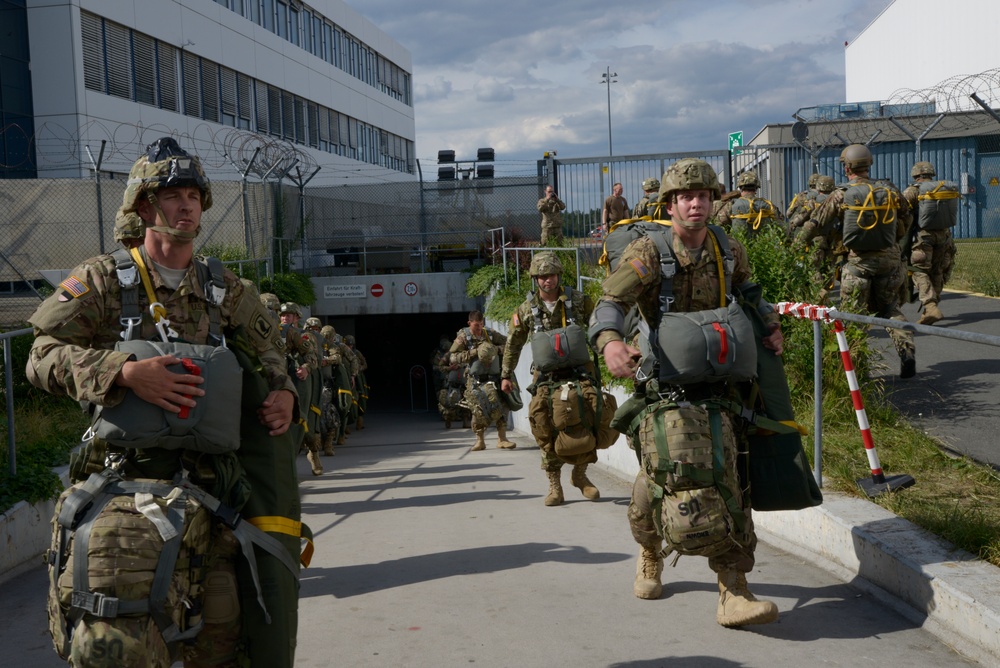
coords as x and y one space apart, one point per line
692 225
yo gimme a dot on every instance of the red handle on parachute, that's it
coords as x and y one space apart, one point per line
194 370
723 344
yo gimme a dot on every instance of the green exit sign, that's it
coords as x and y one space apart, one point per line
735 142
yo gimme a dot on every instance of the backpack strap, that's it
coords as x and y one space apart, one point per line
210 273
128 279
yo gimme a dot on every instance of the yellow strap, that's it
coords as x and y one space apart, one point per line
158 311
289 527
315 409
884 214
938 194
722 269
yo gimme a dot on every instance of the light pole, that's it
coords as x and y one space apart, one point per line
608 78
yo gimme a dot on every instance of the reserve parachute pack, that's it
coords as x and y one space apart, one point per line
750 213
562 348
937 205
701 346
574 415
695 502
870 215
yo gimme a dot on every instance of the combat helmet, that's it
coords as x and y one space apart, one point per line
486 352
825 184
856 156
165 165
270 301
313 323
923 168
349 340
813 179
651 184
748 180
545 263
328 332
129 228
689 174
291 307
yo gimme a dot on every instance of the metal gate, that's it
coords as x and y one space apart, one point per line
584 183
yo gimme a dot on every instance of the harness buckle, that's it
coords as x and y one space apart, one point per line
95 604
129 324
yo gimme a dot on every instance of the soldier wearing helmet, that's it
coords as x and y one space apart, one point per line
156 290
360 382
303 364
551 208
802 205
747 211
650 193
873 217
472 345
931 252
551 308
272 304
698 251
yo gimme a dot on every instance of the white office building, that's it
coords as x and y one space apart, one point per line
318 77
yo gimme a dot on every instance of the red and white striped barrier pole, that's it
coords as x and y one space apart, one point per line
878 483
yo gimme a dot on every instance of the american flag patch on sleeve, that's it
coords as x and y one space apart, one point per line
640 269
72 288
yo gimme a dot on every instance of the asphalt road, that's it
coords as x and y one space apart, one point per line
954 396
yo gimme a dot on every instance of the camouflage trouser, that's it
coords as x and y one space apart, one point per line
932 258
545 436
870 284
551 233
640 515
217 645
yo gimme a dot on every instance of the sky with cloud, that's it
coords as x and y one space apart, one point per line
525 77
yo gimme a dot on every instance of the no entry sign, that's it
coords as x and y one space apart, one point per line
377 290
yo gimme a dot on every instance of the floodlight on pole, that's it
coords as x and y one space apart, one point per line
607 79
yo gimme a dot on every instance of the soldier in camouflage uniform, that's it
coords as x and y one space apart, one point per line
650 193
346 373
76 330
470 349
551 208
688 188
360 381
828 248
549 301
801 207
300 350
748 211
328 359
871 279
933 250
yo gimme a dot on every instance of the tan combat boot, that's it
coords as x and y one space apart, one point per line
480 440
737 606
579 479
328 443
312 443
648 569
360 424
555 496
931 314
502 441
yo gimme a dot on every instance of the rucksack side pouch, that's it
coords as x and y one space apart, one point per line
212 426
706 346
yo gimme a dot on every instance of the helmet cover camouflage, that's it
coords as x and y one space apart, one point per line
349 340
825 184
128 226
649 185
487 352
291 307
748 180
922 168
328 332
545 263
270 300
313 323
165 165
812 180
689 174
856 156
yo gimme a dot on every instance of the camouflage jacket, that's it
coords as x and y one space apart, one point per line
802 205
464 348
696 284
551 210
299 347
77 327
522 323
362 362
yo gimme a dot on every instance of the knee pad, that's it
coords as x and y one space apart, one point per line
222 602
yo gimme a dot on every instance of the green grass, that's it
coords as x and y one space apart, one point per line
976 268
